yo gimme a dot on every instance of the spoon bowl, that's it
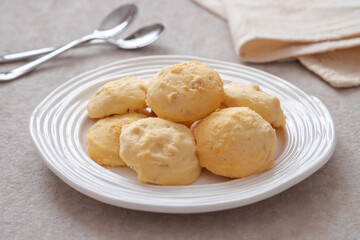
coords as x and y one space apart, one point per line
141 38
116 21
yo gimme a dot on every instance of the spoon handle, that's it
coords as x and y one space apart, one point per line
12 57
25 55
24 69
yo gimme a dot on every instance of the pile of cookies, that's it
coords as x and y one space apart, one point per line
167 128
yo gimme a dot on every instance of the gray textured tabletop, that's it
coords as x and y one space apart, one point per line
36 204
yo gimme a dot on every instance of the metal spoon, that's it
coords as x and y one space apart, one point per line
140 38
112 25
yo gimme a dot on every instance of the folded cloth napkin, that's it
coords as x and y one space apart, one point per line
323 35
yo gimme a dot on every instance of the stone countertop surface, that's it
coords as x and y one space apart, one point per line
36 204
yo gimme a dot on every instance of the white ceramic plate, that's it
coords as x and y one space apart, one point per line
59 125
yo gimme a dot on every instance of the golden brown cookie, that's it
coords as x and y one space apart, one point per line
250 95
235 142
185 92
118 97
103 138
160 151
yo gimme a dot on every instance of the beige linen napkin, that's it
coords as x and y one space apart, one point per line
323 35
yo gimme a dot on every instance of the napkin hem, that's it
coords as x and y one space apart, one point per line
285 50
